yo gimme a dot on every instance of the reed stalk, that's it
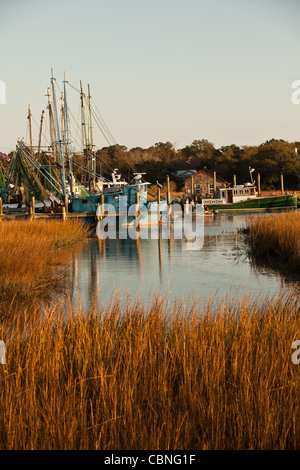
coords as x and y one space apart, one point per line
151 377
31 255
276 239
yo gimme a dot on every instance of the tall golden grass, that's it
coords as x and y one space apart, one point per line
132 376
30 254
277 237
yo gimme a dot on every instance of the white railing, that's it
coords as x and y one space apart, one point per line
206 202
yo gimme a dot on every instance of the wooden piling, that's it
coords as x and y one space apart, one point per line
215 184
98 213
158 187
32 208
66 203
137 203
168 190
64 213
192 188
137 212
234 180
258 184
282 185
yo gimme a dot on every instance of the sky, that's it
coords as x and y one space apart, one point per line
159 70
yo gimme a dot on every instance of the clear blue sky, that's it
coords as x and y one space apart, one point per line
159 70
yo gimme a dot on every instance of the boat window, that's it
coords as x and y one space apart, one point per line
84 201
241 192
246 191
235 192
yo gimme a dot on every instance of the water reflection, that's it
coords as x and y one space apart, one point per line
145 266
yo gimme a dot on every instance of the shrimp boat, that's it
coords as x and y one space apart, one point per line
58 173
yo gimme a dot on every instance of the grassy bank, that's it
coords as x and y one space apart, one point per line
276 239
138 377
31 254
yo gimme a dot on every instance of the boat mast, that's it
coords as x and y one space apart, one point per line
62 163
85 134
40 135
67 138
52 127
91 140
63 138
86 144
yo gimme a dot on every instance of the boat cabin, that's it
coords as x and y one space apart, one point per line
232 195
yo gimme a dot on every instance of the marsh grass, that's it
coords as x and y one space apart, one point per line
32 255
137 376
276 239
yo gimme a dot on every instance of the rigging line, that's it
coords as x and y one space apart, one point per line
102 120
72 86
77 129
75 122
99 159
104 131
58 86
131 166
38 126
82 167
101 130
102 126
33 162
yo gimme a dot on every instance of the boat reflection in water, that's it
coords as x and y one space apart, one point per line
143 266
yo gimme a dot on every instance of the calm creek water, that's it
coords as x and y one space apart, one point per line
141 267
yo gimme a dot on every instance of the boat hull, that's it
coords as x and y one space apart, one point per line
258 204
119 214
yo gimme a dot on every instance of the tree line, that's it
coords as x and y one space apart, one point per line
271 159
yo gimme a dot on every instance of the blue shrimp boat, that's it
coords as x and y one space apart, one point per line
119 199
